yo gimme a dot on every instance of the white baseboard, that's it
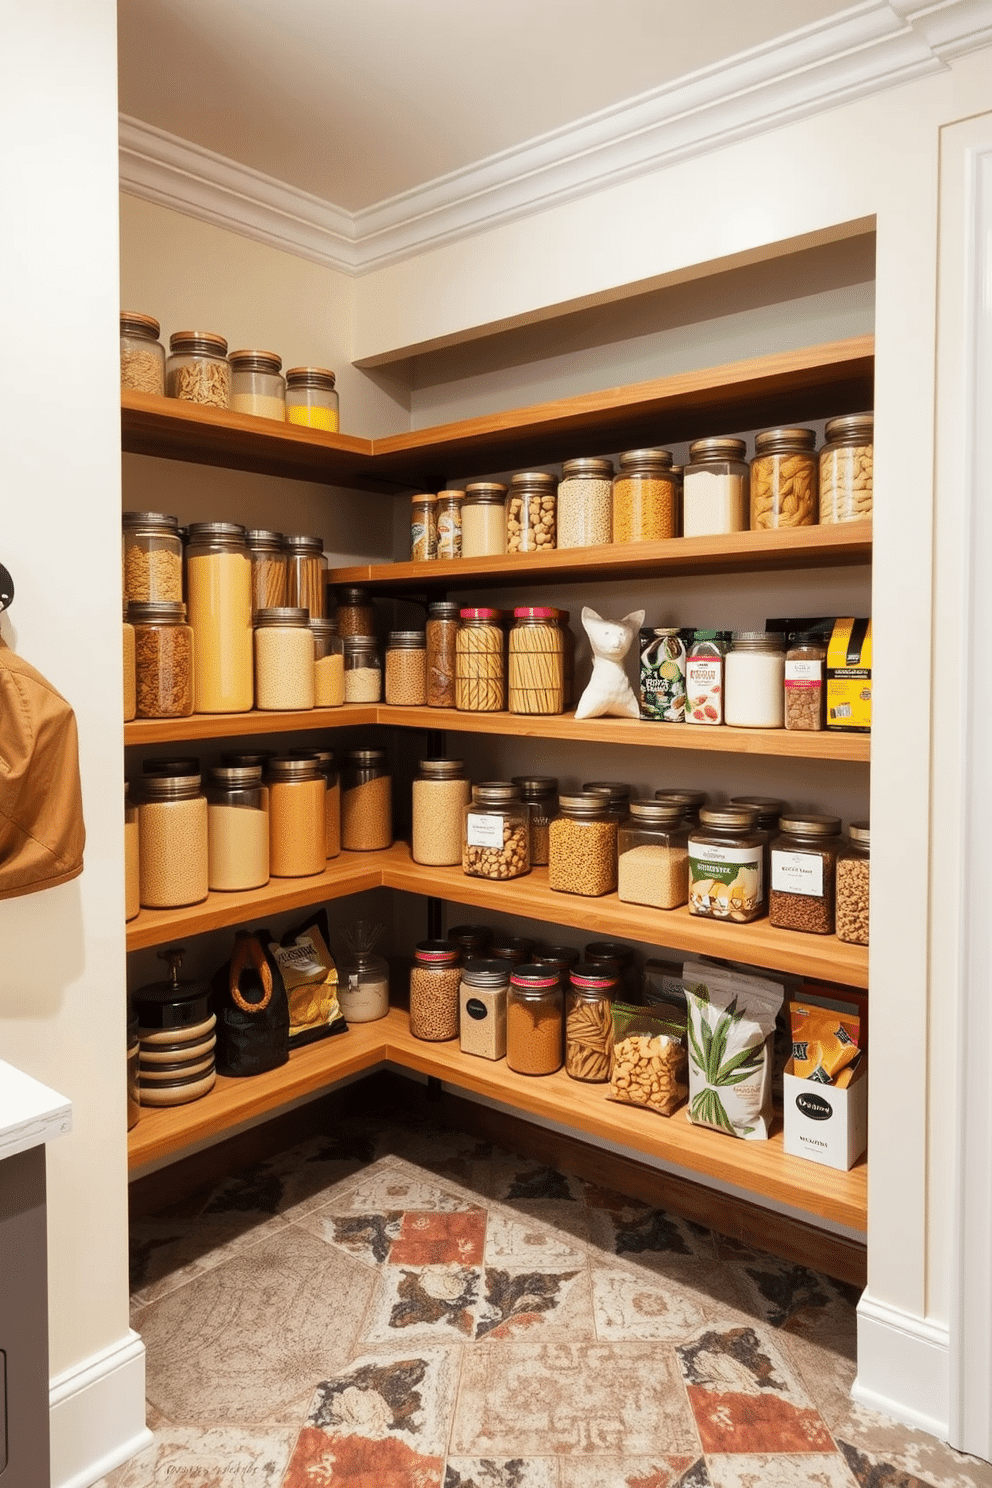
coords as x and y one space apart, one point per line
97 1413
903 1367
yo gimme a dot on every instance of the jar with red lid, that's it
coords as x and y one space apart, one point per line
589 1022
435 980
480 672
536 662
534 1021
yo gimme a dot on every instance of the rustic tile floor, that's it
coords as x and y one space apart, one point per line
405 1307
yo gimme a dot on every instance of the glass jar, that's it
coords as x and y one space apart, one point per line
531 506
726 865
237 828
435 983
536 665
853 884
482 1008
480 672
142 354
306 571
448 513
269 565
129 677
153 558
483 520
354 611
582 847
754 680
132 857
442 635
541 795
784 479
311 399
172 842
704 678
617 793
804 866
163 658
440 794
585 503
768 809
366 801
297 817
805 683
332 800
363 986
362 671
198 370
715 488
423 528
257 384
644 497
496 837
406 668
560 959
513 950
535 1016
328 664
186 764
471 940
589 1023
218 578
618 959
847 462
653 856
284 660
691 801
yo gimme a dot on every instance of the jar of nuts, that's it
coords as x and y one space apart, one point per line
804 859
541 794
589 1022
805 683
534 1021
142 354
585 503
496 839
644 496
531 521
435 979
198 370
406 669
582 847
853 874
847 468
784 479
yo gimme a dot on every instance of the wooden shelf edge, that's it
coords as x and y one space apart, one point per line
146 410
143 731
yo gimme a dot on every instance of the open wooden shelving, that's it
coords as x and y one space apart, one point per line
144 731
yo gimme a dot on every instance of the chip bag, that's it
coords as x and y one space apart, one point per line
825 1043
311 981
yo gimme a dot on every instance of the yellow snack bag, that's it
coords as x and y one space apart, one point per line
849 677
824 1042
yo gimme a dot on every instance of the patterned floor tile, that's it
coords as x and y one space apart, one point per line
518 1241
506 1472
407 1397
660 1471
628 1305
367 1237
322 1461
882 1454
431 1239
511 1178
166 1254
745 1398
768 1470
437 1303
396 1185
212 1458
515 1301
297 1180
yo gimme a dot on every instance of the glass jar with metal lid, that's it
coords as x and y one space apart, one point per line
184 764
237 828
482 1008
311 399
423 528
153 558
218 580
582 846
172 841
328 664
617 793
366 801
448 519
480 671
531 507
441 792
727 865
715 488
690 800
128 658
306 570
644 495
354 611
362 670
483 519
257 384
804 864
614 956
297 817
163 660
784 479
653 855
536 664
847 462
560 959
269 582
541 794
435 981
332 800
471 940
132 857
198 370
284 659
496 837
754 680
406 668
442 636
363 976
516 950
853 884
806 683
585 503
769 809
142 354
535 1011
589 1022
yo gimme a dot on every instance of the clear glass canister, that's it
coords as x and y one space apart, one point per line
704 667
448 513
440 794
362 670
354 611
582 847
297 817
482 1008
715 488
784 479
218 578
585 503
284 660
363 979
442 635
406 668
328 664
471 940
153 558
727 865
496 839
163 661
483 520
480 673
435 982
691 801
847 462
128 658
269 564
804 865
589 1022
768 809
306 573
366 801
332 800
754 680
257 384
541 795
535 1017
644 496
198 370
536 665
617 793
132 857
237 828
172 841
853 884
423 528
142 354
653 856
805 683
531 512
311 399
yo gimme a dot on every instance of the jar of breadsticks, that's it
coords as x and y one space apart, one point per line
784 479
847 468
589 1022
480 673
536 662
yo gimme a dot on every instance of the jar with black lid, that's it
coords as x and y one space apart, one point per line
198 370
691 801
471 940
534 1021
442 632
804 864
726 865
482 1008
541 794
515 949
259 757
589 1022
142 354
435 981
257 384
356 616
182 764
366 801
613 953
311 398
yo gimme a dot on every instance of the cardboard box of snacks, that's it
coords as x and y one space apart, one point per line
824 1123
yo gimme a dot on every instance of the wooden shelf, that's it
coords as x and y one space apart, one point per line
234 725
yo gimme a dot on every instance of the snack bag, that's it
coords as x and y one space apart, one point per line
825 1043
731 1020
311 981
649 1060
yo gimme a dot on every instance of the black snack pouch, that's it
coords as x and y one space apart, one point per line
252 1009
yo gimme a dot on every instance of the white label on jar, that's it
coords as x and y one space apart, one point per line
803 673
484 831
704 689
797 873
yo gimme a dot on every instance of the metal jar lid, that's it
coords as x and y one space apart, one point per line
352 594
471 937
303 543
312 377
536 787
535 480
231 534
859 833
423 499
451 497
850 428
594 978
443 609
170 787
363 758
645 459
759 640
562 958
515 948
484 493
692 798
657 813
324 628
255 361
260 758
263 537
617 790
710 451
436 953
236 777
533 978
810 825
186 764
156 612
486 974
356 643
441 769
285 768
482 612
589 804
407 640
731 818
587 468
324 757
198 343
496 793
776 441
160 520
769 808
135 324
282 615
610 950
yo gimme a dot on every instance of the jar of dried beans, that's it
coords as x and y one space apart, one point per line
726 865
406 668
441 792
366 801
644 497
804 861
715 488
534 1021
142 354
423 528
585 503
332 798
218 578
805 683
354 611
328 664
153 558
536 665
163 660
257 384
541 795
172 841
482 1008
448 514
847 462
589 1023
582 847
237 828
496 837
653 856
311 399
442 633
784 479
362 671
284 660
853 882
531 523
435 979
269 581
483 520
480 673
306 572
198 370
297 819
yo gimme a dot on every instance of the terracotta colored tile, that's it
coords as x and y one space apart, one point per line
438 1239
780 1471
211 1458
517 1300
630 1305
410 1396
429 1302
322 1461
732 1422
507 1472
660 1471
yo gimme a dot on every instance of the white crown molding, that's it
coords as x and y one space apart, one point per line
874 45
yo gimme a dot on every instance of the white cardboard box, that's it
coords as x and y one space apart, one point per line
824 1124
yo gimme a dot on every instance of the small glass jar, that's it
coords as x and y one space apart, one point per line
853 885
435 983
727 865
153 558
496 837
163 659
332 800
448 514
847 462
535 1017
589 1023
297 817
644 496
531 513
513 950
132 857
441 792
691 801
218 580
769 809
480 671
257 384
142 354
311 399
442 636
471 940
482 1008
198 370
754 680
617 793
172 842
804 867
483 520
618 959
541 795
536 664
362 670
306 572
784 479
715 488
128 659
704 668
328 664
582 847
269 565
284 660
355 614
806 683
237 828
366 801
653 856
363 986
423 528
585 503
406 669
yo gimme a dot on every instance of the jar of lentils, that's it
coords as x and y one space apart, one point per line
198 370
804 863
257 384
442 633
644 497
435 980
853 883
784 479
541 795
406 668
582 847
483 520
585 503
847 462
531 521
589 1023
142 354
536 665
172 841
441 793
284 660
163 661
480 674
449 523
354 613
366 801
534 1021
496 838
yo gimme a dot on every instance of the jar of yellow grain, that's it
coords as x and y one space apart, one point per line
172 842
328 664
311 399
238 828
218 579
284 660
297 817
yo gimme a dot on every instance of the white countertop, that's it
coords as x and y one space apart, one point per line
30 1113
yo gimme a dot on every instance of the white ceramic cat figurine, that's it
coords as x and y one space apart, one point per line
608 691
